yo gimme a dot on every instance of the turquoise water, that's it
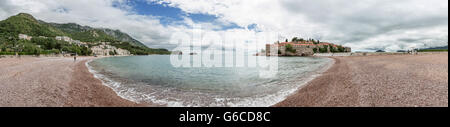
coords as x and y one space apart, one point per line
153 79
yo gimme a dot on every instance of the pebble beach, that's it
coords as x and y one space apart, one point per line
356 81
378 81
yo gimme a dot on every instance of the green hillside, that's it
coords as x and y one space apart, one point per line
27 24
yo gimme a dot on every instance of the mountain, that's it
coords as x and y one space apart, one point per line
26 24
122 36
86 33
437 48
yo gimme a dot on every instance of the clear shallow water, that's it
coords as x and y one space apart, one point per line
153 79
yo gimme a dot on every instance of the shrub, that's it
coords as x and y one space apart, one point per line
324 49
315 50
289 48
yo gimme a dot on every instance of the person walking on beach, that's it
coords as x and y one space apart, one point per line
75 57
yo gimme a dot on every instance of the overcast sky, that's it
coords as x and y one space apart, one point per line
361 24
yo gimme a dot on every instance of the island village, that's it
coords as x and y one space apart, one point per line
100 49
297 47
302 47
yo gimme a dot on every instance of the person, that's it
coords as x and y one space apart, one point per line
75 57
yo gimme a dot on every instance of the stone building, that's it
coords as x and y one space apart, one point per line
63 38
25 37
302 48
105 50
71 41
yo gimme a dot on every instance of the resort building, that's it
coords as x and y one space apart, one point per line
25 37
71 41
107 50
63 38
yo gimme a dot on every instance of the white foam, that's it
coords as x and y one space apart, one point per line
130 93
116 86
272 99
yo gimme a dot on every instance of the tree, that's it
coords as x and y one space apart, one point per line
112 53
341 49
334 49
289 48
295 39
317 42
2 48
324 49
56 51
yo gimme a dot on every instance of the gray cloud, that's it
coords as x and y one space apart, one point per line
361 20
360 24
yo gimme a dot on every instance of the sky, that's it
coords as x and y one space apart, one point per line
363 25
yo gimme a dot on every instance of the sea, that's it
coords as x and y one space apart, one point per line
155 79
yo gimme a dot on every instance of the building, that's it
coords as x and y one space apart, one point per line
62 38
303 48
177 53
105 50
25 37
122 52
70 40
43 37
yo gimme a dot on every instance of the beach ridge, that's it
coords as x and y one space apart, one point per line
378 81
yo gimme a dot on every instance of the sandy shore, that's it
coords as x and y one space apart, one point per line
53 82
378 81
399 80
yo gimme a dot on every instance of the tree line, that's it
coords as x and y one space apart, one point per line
39 45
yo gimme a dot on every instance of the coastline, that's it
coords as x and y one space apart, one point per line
263 100
378 81
54 82
115 85
102 95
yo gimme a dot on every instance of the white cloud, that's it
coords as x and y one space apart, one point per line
355 23
95 13
361 24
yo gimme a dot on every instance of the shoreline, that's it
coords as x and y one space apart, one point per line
108 97
355 81
378 81
275 98
102 78
302 97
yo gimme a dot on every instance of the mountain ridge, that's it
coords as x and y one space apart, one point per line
24 23
440 47
117 34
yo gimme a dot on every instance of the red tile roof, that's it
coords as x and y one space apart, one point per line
307 43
